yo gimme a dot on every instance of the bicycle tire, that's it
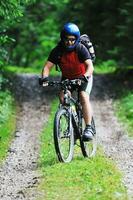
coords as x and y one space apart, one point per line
63 135
89 148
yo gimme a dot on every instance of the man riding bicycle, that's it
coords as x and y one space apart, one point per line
74 61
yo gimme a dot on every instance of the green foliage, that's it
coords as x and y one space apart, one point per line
128 101
124 108
94 179
1 80
30 28
7 117
36 70
19 70
5 104
10 13
7 122
36 35
105 67
125 29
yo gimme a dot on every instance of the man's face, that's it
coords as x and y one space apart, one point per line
69 40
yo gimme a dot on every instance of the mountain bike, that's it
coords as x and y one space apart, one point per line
69 124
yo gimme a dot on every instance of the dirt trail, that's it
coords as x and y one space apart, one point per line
111 134
18 175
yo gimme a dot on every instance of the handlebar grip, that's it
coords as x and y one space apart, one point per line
40 81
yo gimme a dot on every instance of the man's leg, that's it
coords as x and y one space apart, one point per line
61 96
87 109
86 106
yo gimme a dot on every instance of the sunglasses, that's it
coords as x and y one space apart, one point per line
70 39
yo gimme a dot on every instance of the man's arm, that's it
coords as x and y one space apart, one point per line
85 57
46 70
89 67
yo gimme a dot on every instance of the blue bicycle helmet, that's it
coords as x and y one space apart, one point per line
70 29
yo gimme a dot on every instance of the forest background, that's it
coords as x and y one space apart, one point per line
30 28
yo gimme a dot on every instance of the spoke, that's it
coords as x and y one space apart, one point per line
64 138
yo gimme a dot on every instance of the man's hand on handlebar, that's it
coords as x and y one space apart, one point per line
44 81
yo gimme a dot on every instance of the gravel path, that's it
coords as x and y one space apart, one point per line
18 174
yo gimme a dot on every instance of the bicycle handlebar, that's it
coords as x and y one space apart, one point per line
65 83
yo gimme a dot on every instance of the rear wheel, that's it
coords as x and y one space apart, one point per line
89 147
63 135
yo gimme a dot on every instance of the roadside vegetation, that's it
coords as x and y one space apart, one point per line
124 99
7 120
124 108
95 178
26 70
105 67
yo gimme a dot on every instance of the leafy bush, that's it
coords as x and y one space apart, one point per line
106 66
5 106
124 107
7 122
2 81
10 13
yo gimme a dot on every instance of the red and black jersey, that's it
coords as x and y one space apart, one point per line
71 63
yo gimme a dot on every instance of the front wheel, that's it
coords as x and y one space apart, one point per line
63 135
89 147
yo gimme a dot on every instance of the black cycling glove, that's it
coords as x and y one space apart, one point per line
43 80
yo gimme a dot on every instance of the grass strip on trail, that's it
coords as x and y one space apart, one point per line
84 179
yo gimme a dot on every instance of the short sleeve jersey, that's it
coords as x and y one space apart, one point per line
57 52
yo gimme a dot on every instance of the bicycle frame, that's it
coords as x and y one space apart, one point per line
69 101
